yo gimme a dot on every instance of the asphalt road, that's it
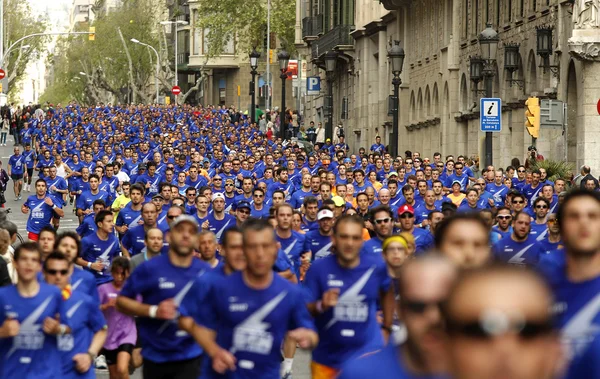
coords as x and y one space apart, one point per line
70 222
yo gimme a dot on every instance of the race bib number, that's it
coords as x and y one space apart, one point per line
252 340
29 340
351 312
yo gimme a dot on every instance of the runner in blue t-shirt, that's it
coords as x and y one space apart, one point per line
16 169
88 326
153 293
318 241
32 314
41 208
344 290
99 249
248 315
520 248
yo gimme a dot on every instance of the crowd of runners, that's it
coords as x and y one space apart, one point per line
209 248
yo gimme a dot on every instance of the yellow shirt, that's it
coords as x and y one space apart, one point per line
119 202
456 199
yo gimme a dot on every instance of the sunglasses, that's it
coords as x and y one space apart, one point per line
407 215
382 220
54 272
419 307
552 221
243 211
219 179
526 330
520 170
503 217
541 207
228 185
259 195
518 202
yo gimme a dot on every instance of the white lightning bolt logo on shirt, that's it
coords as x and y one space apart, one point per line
322 253
220 232
352 295
178 299
76 284
517 258
74 309
135 221
580 329
28 326
288 249
256 320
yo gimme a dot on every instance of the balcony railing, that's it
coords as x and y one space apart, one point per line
183 58
338 36
312 26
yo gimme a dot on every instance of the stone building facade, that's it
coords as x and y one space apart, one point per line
438 108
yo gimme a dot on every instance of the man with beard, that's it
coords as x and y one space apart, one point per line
499 325
423 285
520 247
382 220
131 214
319 240
162 283
344 290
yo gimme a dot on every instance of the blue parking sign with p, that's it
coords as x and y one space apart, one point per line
313 85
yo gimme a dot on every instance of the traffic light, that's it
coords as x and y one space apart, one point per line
270 56
92 35
532 116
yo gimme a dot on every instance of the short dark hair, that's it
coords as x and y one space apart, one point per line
120 262
441 231
56 256
228 232
310 200
256 225
575 194
48 229
27 246
380 208
352 219
101 216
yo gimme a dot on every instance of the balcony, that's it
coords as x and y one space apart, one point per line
183 59
393 5
312 27
339 37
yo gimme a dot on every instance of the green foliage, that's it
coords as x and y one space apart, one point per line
245 21
104 60
19 23
555 169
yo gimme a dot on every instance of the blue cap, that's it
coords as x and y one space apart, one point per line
243 204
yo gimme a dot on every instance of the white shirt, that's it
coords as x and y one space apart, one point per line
123 177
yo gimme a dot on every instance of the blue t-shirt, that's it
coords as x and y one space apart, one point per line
293 247
86 200
372 246
219 226
512 252
133 240
423 240
85 319
32 354
128 216
40 213
298 197
252 324
84 282
94 249
29 158
156 280
17 164
350 329
385 364
60 184
318 244
577 313
498 193
87 226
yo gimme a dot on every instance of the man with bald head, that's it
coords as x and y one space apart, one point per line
494 334
424 285
385 196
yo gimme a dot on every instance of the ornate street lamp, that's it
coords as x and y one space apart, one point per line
284 59
396 58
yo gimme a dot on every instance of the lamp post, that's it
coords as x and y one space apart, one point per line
396 57
177 23
330 62
488 43
254 56
284 58
157 64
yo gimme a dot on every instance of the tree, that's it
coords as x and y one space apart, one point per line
113 67
19 23
245 22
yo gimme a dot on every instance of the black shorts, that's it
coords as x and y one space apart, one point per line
30 173
111 355
16 177
189 368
